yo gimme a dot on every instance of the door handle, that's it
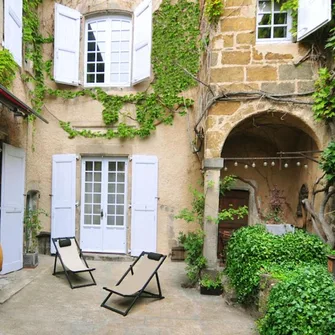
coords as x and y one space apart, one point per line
102 213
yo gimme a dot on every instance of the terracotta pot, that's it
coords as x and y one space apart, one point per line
1 258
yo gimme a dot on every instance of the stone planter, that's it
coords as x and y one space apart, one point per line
211 291
30 260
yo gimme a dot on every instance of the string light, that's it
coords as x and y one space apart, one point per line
225 168
305 166
298 163
285 165
265 163
253 164
273 163
245 166
235 164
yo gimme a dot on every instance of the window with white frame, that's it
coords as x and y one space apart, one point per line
117 50
108 51
273 24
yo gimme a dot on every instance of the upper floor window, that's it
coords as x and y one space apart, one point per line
108 51
117 51
273 25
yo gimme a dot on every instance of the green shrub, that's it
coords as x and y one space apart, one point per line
302 304
252 250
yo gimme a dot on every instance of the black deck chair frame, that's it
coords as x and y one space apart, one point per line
65 242
141 292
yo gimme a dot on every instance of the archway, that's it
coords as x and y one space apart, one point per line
273 154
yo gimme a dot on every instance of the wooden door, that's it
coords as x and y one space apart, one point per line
233 199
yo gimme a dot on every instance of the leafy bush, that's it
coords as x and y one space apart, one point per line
252 250
302 304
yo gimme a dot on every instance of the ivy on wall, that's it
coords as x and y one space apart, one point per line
174 53
8 68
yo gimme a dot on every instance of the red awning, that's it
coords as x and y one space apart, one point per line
14 104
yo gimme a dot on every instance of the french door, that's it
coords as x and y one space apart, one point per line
104 204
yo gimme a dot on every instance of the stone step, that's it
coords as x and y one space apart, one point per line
108 257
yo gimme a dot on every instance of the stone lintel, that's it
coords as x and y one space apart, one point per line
212 164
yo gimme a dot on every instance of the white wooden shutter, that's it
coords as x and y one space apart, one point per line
142 41
63 201
12 207
13 29
312 14
66 45
144 204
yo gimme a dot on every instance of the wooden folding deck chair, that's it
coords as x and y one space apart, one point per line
72 259
135 280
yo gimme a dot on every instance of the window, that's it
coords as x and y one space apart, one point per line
117 50
273 25
108 51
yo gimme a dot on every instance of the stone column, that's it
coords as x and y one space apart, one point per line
212 169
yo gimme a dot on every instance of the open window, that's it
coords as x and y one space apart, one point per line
117 47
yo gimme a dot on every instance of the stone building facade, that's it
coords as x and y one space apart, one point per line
260 110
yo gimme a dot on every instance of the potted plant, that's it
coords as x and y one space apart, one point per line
210 285
32 226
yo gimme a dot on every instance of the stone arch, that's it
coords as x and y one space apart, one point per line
219 127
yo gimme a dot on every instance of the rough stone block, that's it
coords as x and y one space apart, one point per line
306 86
276 56
214 141
214 58
291 72
262 73
246 38
210 122
225 108
257 55
278 88
238 24
227 74
240 87
213 163
236 57
237 3
228 41
229 12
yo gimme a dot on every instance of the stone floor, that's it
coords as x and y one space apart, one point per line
32 301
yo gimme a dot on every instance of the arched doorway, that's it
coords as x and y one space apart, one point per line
274 154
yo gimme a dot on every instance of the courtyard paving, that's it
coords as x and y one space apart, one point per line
32 301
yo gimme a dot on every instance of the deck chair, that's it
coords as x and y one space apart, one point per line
72 259
135 280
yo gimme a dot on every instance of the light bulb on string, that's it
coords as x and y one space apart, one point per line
235 164
273 163
245 166
285 165
253 164
265 163
305 166
225 168
298 163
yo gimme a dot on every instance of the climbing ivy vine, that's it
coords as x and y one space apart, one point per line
175 59
8 68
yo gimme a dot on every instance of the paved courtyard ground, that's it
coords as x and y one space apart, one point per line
32 301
